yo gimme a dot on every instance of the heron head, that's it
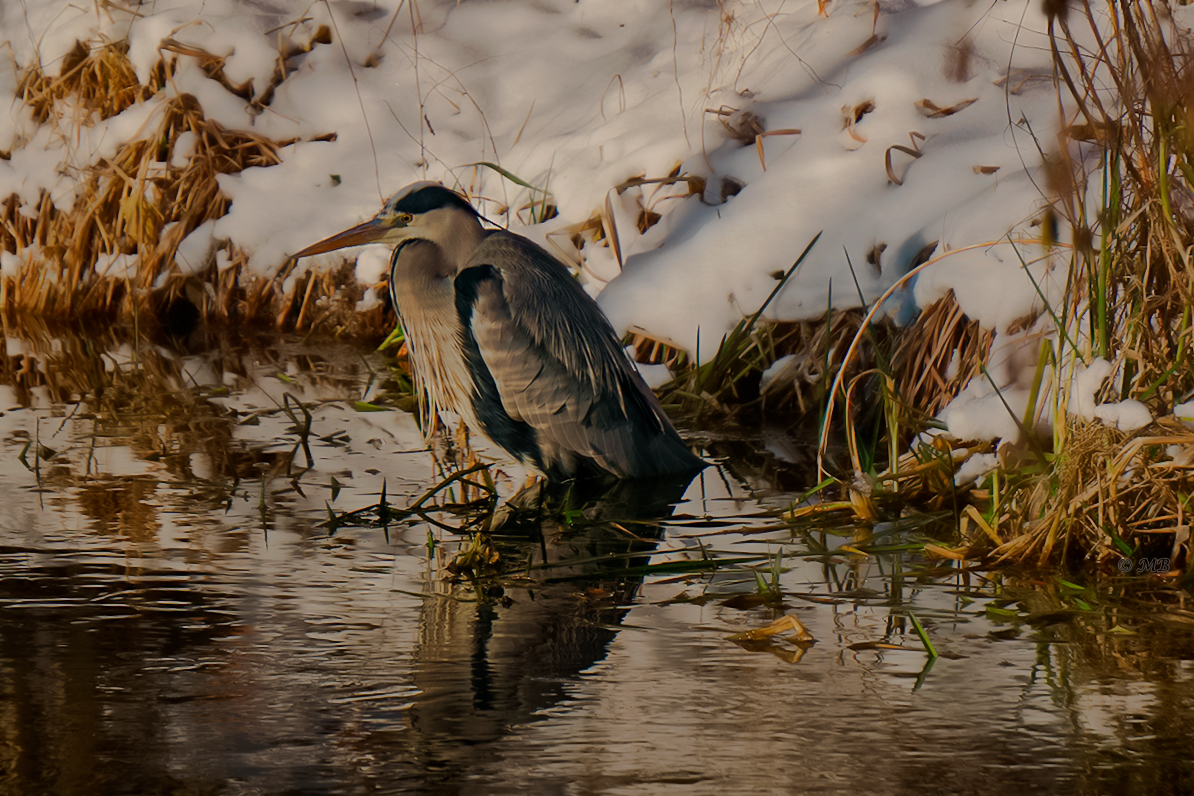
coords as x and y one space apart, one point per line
419 210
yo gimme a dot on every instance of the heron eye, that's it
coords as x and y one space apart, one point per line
405 218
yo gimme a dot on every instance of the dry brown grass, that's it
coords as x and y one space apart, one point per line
97 81
1132 83
124 208
818 352
1129 73
1122 178
932 359
138 204
924 351
1106 496
816 348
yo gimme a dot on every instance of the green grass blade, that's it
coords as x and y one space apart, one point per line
924 637
514 178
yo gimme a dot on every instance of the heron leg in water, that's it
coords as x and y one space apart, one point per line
523 507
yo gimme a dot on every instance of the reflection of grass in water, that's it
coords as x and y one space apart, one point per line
119 507
114 392
604 562
116 396
1094 632
884 571
570 536
147 402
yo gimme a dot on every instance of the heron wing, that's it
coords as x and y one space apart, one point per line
557 366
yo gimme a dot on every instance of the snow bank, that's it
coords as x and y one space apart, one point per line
580 96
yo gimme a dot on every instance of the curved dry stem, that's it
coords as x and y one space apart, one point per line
865 325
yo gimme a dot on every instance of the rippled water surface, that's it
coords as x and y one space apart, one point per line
200 593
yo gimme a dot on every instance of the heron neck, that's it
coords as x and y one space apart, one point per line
464 235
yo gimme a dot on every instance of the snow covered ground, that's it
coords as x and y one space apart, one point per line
952 99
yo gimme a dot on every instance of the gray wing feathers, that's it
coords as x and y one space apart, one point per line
551 307
559 367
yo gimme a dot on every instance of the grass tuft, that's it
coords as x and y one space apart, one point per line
112 254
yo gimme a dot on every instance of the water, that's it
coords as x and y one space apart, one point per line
178 615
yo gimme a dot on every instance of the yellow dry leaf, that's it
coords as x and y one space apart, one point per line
944 552
136 217
974 514
785 624
864 508
935 111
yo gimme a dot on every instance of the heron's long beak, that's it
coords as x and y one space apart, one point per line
372 230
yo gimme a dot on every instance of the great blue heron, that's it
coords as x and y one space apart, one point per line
500 333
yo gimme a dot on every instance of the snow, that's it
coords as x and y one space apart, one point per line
772 373
195 250
184 147
582 95
1129 415
373 264
655 376
1087 382
370 300
116 265
975 468
1185 412
980 412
